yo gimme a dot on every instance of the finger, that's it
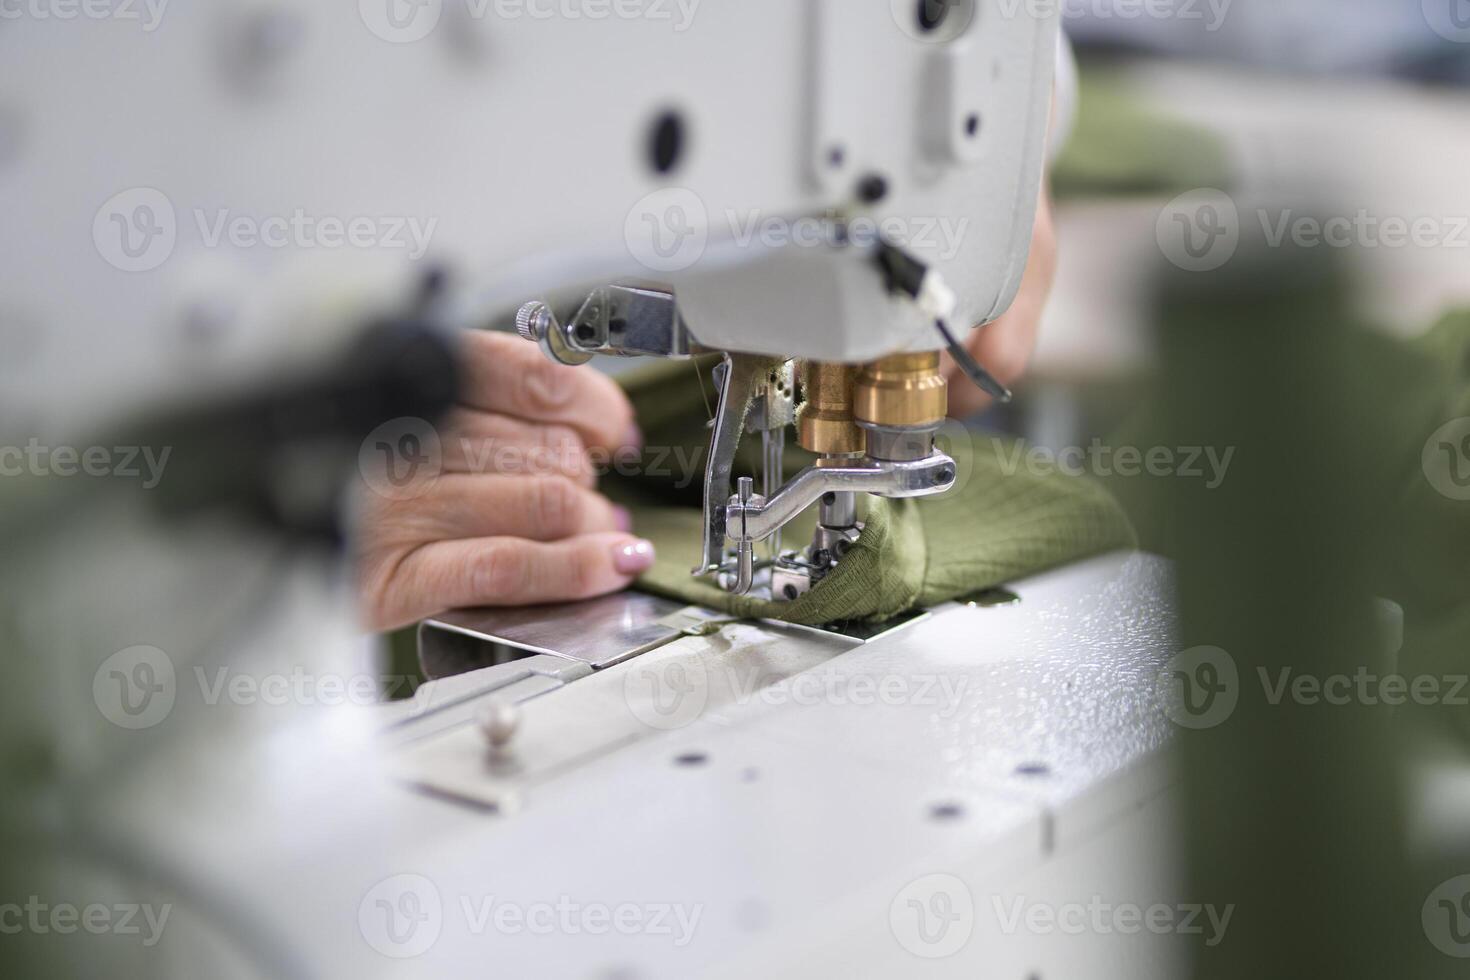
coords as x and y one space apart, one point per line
462 505
504 572
1004 347
485 442
505 374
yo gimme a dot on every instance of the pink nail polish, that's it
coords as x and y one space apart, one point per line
623 518
634 558
633 438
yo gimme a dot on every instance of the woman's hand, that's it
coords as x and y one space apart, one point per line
509 514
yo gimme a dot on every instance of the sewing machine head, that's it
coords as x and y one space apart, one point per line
834 328
870 425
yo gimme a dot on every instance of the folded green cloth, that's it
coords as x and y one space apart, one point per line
994 527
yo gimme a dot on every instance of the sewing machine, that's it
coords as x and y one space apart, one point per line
609 184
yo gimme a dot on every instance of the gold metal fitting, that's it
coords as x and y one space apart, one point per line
901 390
824 422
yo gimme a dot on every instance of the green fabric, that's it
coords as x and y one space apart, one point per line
992 528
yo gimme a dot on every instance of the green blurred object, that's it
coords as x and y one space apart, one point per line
1000 523
1413 391
1121 148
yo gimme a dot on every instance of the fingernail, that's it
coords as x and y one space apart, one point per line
623 518
634 558
633 438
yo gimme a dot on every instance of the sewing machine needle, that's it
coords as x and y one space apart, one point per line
773 447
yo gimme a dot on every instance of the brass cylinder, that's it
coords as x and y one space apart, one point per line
901 390
824 423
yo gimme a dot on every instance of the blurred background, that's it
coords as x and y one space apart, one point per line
1263 215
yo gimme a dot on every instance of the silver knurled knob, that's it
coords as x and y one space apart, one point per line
532 320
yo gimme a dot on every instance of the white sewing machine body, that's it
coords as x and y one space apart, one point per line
519 153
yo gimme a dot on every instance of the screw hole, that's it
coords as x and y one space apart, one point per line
932 14
691 759
872 188
972 125
1033 769
836 157
666 144
946 811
